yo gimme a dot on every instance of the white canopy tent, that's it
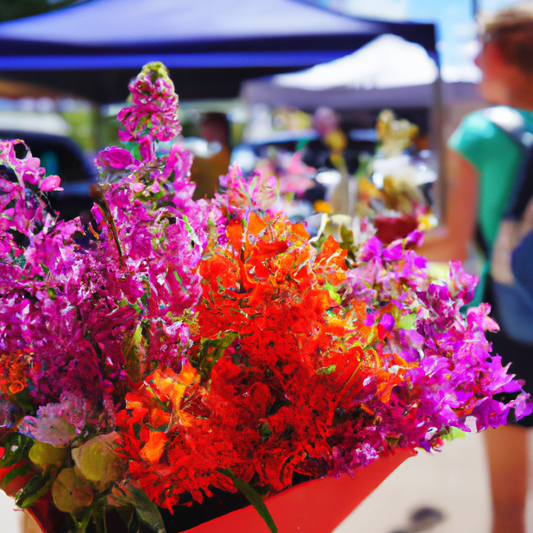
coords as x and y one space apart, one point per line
387 72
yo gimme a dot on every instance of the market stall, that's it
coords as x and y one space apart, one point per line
94 49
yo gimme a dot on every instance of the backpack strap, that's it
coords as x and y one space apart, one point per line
513 124
512 250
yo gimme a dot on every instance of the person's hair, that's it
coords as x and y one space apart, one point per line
220 120
512 30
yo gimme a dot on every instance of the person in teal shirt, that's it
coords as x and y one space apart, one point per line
478 140
482 165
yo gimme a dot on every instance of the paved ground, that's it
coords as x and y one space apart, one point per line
453 482
10 520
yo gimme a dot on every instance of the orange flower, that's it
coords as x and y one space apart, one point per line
153 449
173 385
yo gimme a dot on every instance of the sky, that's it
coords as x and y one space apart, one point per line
456 28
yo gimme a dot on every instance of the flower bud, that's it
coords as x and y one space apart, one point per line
71 491
97 460
44 454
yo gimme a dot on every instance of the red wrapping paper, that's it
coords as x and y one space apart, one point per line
317 506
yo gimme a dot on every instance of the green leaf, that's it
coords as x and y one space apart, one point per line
14 445
265 431
407 321
23 400
326 370
211 350
346 237
133 149
128 515
134 524
130 349
147 511
333 293
253 497
192 233
454 433
37 486
16 472
137 429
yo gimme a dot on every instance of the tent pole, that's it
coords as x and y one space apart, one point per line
475 8
98 123
438 145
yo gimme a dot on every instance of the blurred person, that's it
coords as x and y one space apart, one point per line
483 165
205 171
325 151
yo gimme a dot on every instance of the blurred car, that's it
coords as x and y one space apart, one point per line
63 157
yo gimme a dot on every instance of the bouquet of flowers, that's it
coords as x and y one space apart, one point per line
169 349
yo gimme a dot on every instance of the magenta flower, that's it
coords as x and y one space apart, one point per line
51 183
154 112
116 158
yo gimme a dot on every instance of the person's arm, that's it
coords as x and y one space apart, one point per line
451 240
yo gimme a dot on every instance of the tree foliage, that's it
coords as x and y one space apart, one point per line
14 9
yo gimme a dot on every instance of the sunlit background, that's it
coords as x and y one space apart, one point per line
431 481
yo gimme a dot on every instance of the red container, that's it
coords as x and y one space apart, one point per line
317 506
390 228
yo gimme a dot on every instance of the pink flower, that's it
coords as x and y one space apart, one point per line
154 113
257 192
51 183
114 157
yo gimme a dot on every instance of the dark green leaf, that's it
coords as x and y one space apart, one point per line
265 431
263 490
24 401
99 510
253 497
137 429
134 525
128 515
147 511
211 350
37 486
27 8
14 445
81 519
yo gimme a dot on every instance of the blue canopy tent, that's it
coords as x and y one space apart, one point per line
93 49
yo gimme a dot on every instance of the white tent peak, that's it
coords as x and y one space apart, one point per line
387 61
